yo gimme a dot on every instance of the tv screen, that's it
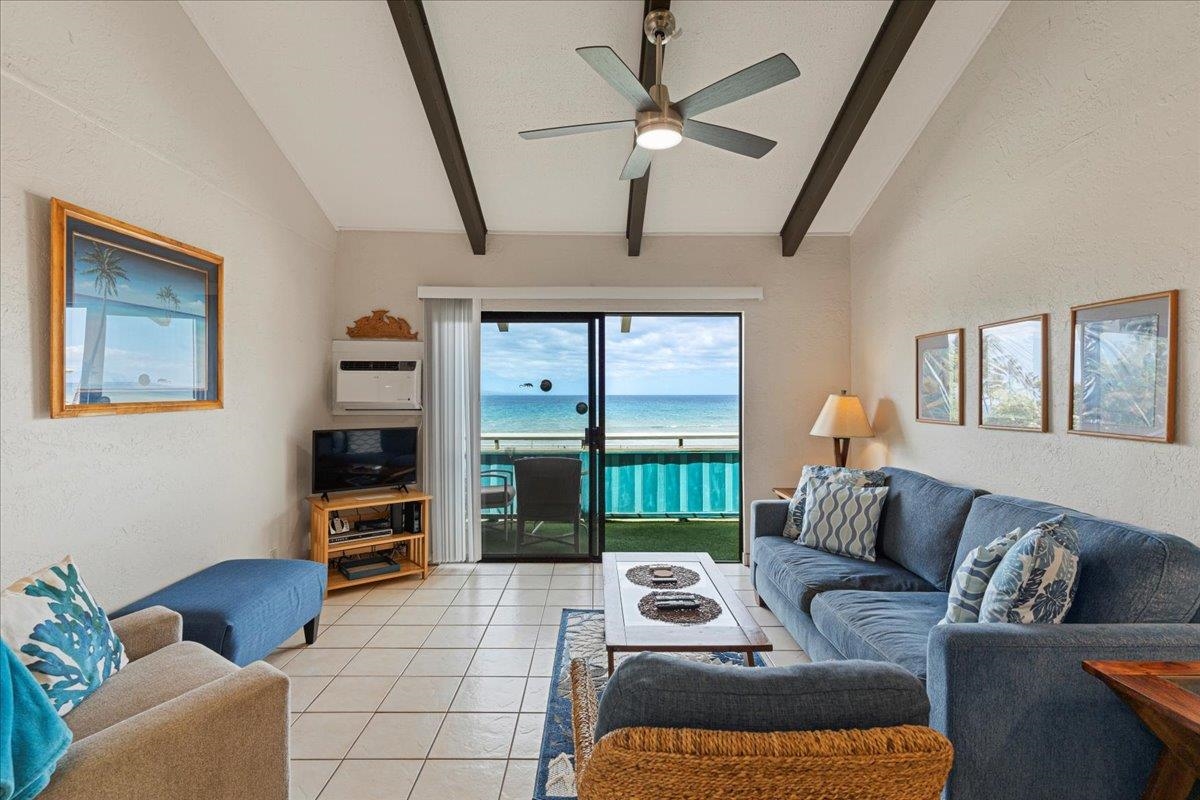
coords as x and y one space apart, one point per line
363 458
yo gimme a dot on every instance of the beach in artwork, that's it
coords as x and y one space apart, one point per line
135 327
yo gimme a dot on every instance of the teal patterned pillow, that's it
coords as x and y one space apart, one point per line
55 627
843 519
972 578
819 473
1036 579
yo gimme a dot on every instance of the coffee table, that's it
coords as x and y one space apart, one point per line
626 630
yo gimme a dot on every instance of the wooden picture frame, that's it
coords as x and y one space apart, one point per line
1118 333
149 305
1039 358
940 392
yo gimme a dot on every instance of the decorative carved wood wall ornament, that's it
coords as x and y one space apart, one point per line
379 324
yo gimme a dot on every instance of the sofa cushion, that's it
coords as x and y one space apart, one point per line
801 572
655 690
880 626
843 519
1036 579
245 608
814 474
145 683
61 634
922 522
1126 573
971 580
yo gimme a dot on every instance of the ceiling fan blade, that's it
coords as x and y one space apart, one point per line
735 141
762 76
637 164
568 130
613 69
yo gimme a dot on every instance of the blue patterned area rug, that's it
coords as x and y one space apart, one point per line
581 635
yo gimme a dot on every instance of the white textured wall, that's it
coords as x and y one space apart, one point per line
120 107
795 341
1062 169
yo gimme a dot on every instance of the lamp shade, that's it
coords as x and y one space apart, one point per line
843 417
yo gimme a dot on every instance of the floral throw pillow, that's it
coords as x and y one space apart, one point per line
1036 579
820 473
973 576
56 629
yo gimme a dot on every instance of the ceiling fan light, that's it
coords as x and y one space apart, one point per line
659 136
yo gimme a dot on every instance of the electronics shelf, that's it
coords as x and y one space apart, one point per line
365 544
368 505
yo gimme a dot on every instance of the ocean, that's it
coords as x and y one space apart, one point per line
668 414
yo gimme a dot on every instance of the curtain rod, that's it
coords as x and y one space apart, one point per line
591 292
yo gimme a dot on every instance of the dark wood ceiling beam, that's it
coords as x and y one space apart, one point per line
897 32
413 27
640 187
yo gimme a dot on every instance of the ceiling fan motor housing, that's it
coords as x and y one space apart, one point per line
662 118
660 23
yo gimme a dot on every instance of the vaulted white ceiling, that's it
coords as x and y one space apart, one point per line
331 83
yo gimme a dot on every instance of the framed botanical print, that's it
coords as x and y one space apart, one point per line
135 319
1123 367
940 377
1012 374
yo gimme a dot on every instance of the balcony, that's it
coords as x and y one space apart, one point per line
667 493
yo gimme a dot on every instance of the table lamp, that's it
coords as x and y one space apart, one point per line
842 417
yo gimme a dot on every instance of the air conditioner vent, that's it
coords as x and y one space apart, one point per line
377 366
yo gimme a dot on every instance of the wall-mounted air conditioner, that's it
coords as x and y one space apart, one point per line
376 377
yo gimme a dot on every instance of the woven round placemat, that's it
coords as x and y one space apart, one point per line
641 576
707 611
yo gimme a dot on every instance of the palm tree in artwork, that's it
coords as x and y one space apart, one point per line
166 295
106 270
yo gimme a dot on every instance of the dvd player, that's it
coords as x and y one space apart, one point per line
354 536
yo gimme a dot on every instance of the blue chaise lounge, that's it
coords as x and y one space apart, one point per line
1025 719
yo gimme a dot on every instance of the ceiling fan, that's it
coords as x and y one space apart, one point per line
661 124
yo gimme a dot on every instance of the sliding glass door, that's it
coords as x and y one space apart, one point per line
610 432
539 436
672 433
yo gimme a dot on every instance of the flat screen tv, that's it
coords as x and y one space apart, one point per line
358 459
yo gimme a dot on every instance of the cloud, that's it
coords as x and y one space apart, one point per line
659 355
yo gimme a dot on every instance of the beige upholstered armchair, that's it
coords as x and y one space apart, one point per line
898 762
178 721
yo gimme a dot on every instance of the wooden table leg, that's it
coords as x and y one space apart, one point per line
610 663
1172 778
749 658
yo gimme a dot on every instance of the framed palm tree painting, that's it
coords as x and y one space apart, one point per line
940 377
1012 374
1123 367
135 319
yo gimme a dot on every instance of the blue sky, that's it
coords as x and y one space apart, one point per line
660 355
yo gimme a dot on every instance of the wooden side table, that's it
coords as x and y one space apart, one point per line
783 492
1166 697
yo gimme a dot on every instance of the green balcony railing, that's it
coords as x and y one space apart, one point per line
646 475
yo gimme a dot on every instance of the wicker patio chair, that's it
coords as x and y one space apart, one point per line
905 762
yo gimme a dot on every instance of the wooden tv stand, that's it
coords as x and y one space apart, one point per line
354 506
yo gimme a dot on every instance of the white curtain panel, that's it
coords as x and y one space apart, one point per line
452 428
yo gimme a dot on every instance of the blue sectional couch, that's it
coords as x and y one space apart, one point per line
1025 719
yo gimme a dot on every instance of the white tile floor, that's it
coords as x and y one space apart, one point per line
437 689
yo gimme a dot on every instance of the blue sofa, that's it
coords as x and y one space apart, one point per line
1025 719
